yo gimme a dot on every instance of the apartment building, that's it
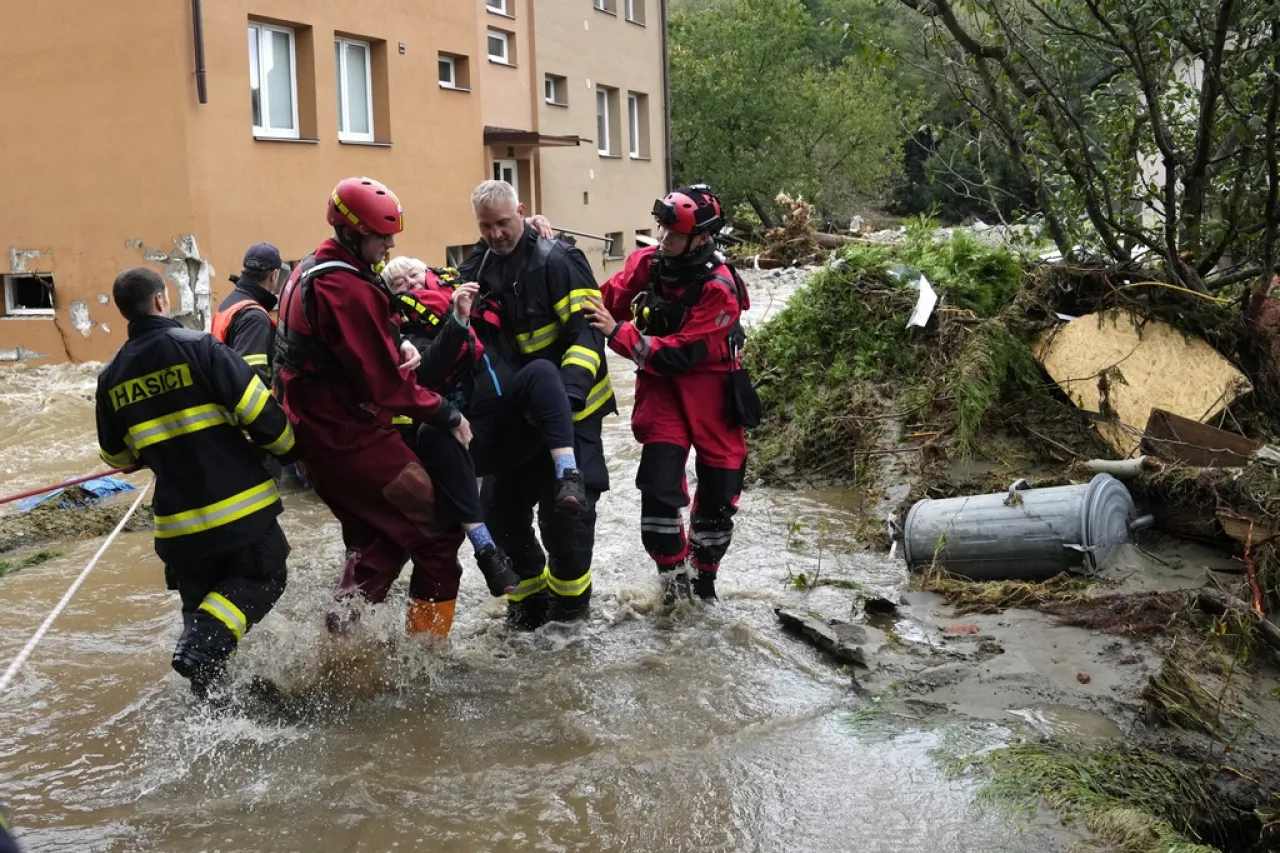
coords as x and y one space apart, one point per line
177 134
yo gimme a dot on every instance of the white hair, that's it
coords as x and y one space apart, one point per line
494 194
399 266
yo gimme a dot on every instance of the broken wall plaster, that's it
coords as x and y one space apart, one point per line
20 353
80 321
192 276
19 258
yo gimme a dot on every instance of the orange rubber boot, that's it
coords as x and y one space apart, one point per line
430 617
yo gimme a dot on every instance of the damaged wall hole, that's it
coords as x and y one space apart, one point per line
28 295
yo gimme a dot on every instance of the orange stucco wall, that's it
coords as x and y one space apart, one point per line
108 154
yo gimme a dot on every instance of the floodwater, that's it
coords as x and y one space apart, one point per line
706 730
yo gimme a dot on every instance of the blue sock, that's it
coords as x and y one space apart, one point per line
565 463
480 538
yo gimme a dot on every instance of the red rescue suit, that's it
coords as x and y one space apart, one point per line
341 384
683 340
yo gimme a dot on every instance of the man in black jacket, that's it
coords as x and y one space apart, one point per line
180 403
529 312
244 320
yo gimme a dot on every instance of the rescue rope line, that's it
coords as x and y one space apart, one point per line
12 671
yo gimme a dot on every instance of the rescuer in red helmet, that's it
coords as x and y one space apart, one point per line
343 376
684 303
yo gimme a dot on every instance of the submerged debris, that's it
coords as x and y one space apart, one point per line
1142 614
53 521
997 596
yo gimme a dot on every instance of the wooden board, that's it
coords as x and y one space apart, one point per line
1177 439
1153 367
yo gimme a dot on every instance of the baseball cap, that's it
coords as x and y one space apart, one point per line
262 257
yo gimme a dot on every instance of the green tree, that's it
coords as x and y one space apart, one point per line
761 104
1147 128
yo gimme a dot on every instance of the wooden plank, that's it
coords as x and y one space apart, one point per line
1182 440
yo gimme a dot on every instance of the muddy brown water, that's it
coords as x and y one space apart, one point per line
704 730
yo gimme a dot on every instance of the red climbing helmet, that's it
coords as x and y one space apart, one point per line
689 210
367 206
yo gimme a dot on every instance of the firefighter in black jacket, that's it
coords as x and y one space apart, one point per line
528 312
180 403
244 320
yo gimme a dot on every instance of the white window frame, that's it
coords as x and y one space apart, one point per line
264 91
633 123
603 6
602 127
505 59
630 7
452 82
12 310
344 116
556 84
500 8
499 166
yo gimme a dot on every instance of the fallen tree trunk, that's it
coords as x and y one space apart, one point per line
834 241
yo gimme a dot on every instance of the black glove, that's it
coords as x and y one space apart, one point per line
447 416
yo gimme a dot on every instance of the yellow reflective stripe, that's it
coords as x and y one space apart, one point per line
583 357
529 586
225 612
252 402
600 394
574 302
174 424
257 359
537 339
122 459
284 443
400 420
571 588
223 512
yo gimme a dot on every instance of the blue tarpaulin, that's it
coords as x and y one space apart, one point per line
99 489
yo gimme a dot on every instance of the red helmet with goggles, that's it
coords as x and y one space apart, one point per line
689 210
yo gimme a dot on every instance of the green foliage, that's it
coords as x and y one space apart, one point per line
10 566
841 346
762 102
1136 800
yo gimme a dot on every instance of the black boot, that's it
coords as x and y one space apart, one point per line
529 613
704 586
571 494
675 585
495 565
203 668
563 608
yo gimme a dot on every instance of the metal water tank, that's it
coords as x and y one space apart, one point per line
1023 534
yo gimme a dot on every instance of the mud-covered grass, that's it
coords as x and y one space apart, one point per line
50 522
1137 800
996 596
8 567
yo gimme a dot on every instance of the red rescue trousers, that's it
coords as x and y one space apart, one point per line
672 414
385 502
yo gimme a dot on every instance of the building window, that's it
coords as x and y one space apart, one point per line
610 6
635 11
556 90
355 90
455 72
500 47
638 124
455 255
613 245
607 136
499 6
28 295
644 237
509 171
602 120
272 81
448 72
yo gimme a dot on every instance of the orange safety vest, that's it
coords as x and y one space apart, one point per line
222 320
